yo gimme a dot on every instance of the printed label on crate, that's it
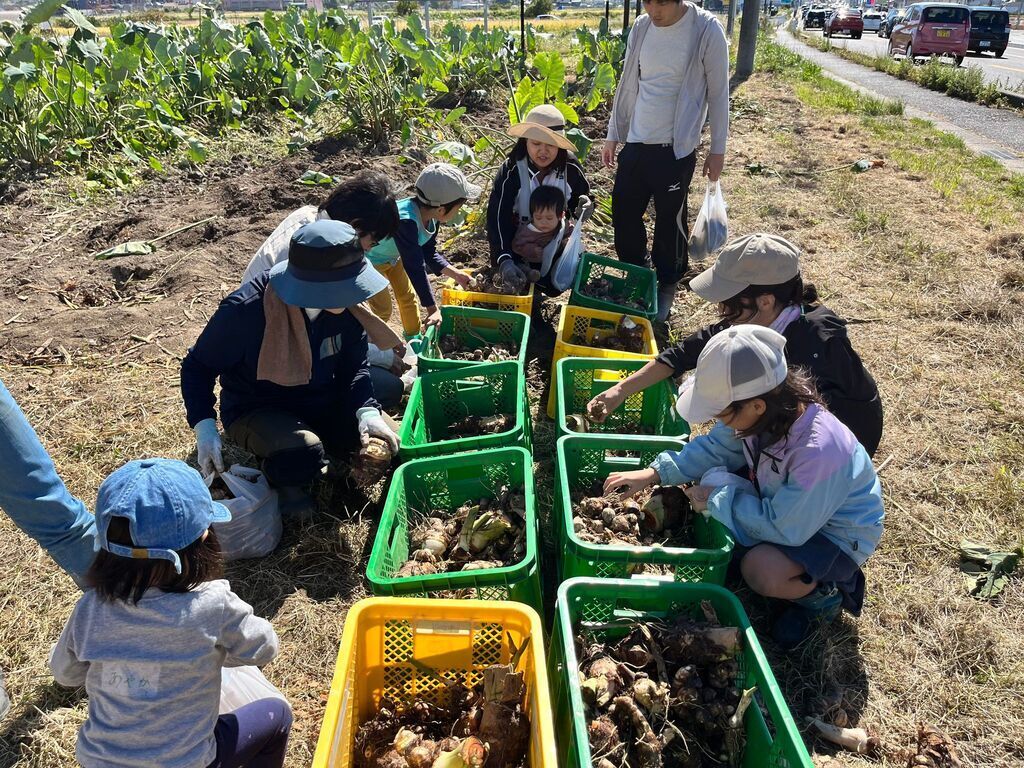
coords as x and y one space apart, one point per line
653 577
426 627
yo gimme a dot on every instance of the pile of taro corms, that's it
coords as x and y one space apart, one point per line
485 726
627 336
487 533
454 348
489 280
603 288
665 694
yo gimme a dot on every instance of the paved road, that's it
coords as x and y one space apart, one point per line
998 133
1008 70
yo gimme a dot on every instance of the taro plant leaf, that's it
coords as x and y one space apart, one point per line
316 178
23 70
196 151
131 248
567 111
986 569
454 152
551 68
454 115
42 11
524 98
78 19
604 82
582 141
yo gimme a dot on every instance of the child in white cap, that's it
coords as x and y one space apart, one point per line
406 258
149 638
811 511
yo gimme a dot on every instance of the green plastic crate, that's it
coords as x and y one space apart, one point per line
582 602
648 412
584 459
636 283
477 328
439 399
446 482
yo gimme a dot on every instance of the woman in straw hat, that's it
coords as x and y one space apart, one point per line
541 156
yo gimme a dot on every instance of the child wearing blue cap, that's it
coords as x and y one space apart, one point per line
149 639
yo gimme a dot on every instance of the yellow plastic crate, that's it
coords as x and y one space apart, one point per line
457 638
453 296
588 324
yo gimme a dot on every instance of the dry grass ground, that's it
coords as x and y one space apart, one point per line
924 257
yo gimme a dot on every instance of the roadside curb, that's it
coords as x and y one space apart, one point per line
977 143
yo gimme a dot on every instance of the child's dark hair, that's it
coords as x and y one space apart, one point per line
367 203
447 207
546 197
126 579
793 292
519 152
783 406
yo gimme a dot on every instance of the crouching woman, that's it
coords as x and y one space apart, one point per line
811 512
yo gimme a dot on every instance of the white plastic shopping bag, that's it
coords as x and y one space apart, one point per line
244 685
563 273
255 526
711 230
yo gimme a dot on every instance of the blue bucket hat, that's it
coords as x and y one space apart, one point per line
167 506
326 268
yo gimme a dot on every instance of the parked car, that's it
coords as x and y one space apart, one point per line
990 31
892 16
848 20
932 29
815 18
872 21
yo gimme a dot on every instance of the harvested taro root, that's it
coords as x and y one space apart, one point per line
583 423
489 280
474 426
371 462
662 516
627 336
454 348
488 533
486 726
665 695
603 288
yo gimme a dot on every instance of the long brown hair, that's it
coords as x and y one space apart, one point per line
793 292
127 579
783 406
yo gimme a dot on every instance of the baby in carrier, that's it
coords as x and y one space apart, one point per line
547 212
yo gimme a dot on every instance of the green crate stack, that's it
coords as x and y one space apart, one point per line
606 607
446 482
441 398
585 460
476 328
650 411
638 286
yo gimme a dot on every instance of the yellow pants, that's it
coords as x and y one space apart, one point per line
405 297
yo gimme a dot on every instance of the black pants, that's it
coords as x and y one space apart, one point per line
646 171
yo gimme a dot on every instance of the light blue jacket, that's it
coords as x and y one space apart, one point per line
818 478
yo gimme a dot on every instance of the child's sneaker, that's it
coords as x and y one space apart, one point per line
801 616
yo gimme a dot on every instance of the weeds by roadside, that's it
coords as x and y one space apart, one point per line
966 83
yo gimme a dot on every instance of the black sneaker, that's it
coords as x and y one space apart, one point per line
801 617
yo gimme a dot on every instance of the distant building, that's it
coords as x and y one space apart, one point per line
253 5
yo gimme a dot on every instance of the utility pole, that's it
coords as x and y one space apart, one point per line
369 13
522 36
625 17
607 13
487 5
732 18
748 39
426 17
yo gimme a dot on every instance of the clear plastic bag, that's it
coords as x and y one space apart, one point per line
255 526
711 230
563 273
244 685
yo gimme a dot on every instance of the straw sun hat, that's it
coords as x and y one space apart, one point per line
545 124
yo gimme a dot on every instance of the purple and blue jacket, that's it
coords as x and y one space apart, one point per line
818 478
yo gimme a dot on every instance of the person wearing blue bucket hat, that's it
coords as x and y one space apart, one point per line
148 640
292 364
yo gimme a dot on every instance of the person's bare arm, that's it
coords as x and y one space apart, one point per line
601 406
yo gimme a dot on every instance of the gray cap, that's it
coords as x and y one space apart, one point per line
442 183
758 259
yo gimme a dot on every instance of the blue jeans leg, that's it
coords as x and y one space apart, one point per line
36 499
254 736
387 388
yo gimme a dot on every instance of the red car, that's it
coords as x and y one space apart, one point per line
848 20
932 29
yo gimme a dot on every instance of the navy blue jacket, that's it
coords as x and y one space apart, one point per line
229 347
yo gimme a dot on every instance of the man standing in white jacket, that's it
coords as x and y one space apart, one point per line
675 77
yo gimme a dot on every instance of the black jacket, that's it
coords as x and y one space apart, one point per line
502 221
816 341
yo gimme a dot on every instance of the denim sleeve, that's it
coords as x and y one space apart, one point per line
36 499
719 448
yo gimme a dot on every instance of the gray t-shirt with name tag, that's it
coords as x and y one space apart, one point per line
153 672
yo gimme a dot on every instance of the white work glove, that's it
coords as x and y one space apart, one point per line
513 276
208 447
582 204
373 424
